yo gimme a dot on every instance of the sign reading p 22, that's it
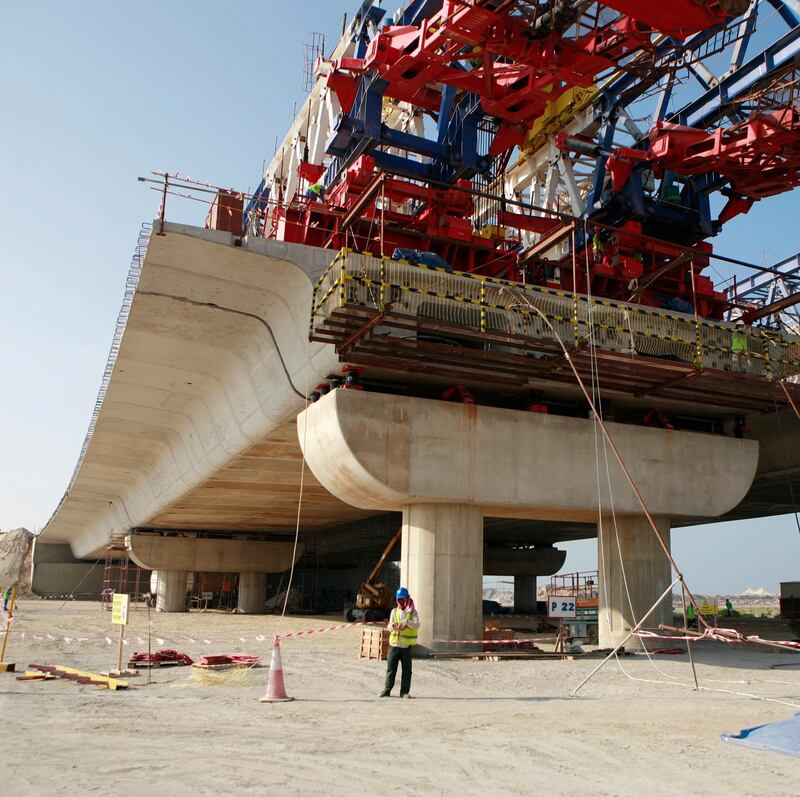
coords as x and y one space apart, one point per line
562 606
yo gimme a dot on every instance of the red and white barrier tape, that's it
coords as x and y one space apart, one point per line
713 634
258 638
708 634
495 641
310 631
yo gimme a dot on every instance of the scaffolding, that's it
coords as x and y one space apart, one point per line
313 48
118 575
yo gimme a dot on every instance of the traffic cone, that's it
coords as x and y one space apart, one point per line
276 691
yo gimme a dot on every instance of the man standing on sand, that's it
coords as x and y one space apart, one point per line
6 598
403 625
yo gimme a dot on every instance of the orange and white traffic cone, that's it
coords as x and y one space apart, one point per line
276 691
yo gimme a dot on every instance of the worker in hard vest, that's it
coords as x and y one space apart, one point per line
728 607
316 191
739 345
403 625
691 617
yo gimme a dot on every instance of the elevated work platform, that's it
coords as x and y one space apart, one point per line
417 319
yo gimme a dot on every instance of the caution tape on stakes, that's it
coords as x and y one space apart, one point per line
729 635
496 641
75 638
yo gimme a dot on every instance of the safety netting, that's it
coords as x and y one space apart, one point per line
491 306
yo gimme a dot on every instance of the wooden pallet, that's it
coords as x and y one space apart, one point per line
374 644
79 676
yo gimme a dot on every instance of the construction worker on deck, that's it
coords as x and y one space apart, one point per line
403 625
316 191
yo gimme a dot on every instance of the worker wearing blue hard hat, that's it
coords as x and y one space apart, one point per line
403 625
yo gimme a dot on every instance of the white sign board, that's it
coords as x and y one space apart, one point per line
119 609
562 606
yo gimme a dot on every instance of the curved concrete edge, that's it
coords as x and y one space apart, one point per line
541 561
192 385
378 451
204 555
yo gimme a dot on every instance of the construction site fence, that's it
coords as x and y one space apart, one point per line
498 307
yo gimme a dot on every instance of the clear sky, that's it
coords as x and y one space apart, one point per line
96 94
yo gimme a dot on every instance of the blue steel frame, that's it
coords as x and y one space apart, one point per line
691 220
454 155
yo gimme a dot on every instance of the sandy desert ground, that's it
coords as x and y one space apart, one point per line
473 727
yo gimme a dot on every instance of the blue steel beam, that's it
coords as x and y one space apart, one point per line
708 108
757 285
789 11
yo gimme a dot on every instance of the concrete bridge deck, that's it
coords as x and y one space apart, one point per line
197 426
197 431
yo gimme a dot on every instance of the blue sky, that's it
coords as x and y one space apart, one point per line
96 94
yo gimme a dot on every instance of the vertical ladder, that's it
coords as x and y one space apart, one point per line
116 572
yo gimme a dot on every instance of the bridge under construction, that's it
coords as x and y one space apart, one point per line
470 298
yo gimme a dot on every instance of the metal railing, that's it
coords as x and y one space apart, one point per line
494 307
131 283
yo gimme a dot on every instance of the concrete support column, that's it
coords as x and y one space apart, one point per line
645 568
171 591
252 593
442 566
524 594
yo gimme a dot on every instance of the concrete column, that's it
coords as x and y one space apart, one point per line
171 591
252 593
442 566
643 566
524 594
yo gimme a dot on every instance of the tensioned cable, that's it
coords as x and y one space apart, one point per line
786 463
629 478
597 396
300 497
595 371
215 306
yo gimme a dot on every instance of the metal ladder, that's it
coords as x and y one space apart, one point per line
116 574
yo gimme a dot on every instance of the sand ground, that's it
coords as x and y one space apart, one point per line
473 727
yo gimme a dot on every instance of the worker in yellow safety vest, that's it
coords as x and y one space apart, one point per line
739 345
316 192
403 625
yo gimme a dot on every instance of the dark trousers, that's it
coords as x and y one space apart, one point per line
398 656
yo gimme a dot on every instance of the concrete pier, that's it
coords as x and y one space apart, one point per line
171 591
442 566
633 572
447 465
524 594
252 593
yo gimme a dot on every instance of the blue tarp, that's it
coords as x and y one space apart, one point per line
779 737
415 257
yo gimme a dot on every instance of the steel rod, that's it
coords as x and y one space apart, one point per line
622 644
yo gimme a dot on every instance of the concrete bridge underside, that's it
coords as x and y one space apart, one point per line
197 430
